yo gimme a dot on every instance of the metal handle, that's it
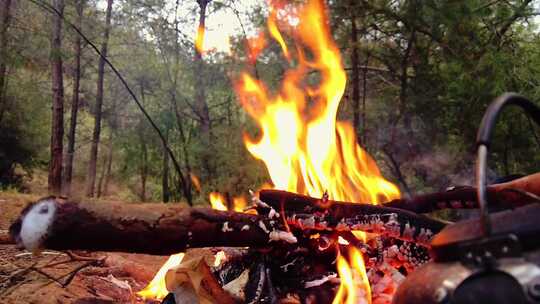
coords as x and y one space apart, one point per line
483 141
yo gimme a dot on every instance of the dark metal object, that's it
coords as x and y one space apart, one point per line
493 259
483 141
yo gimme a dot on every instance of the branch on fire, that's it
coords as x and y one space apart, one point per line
509 195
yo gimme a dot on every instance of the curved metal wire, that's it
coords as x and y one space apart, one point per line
483 141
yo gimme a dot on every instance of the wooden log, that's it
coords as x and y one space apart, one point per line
508 195
138 228
306 212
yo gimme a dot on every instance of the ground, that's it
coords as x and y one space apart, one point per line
25 278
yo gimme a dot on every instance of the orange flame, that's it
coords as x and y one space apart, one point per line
304 148
195 182
157 289
217 201
199 40
354 286
255 45
239 203
274 32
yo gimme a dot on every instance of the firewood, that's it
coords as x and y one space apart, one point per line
138 228
513 194
509 195
320 214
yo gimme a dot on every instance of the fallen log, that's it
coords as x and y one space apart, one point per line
137 228
513 194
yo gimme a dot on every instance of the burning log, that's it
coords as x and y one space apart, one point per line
311 213
513 194
138 228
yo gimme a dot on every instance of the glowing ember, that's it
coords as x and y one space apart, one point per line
157 289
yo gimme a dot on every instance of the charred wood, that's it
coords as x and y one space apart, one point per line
513 194
320 214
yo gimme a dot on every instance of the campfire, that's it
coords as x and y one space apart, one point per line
305 149
330 229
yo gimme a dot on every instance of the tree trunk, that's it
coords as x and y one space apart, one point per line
200 95
200 100
144 151
364 96
5 16
101 178
184 180
355 72
68 169
165 173
107 164
98 108
144 165
57 130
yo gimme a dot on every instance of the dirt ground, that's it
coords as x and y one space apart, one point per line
25 278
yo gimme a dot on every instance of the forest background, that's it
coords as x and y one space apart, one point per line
420 75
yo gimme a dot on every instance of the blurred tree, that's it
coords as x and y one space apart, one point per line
57 132
92 164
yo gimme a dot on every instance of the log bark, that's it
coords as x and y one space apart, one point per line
137 228
508 195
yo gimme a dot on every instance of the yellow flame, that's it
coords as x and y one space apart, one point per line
354 287
239 203
359 266
274 32
304 148
199 40
217 201
220 257
157 289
